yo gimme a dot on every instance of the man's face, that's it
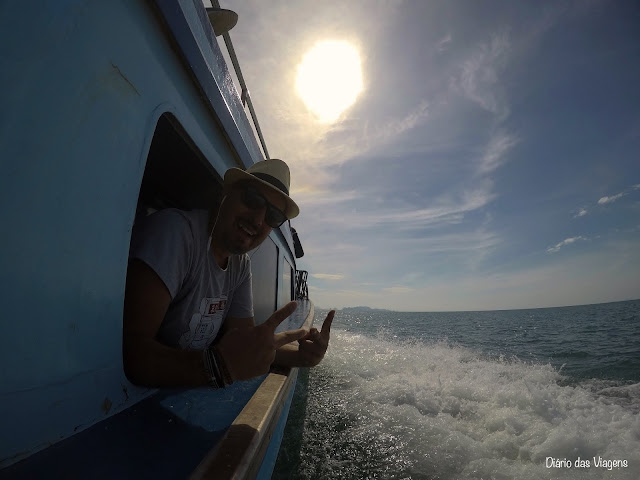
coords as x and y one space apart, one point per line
243 228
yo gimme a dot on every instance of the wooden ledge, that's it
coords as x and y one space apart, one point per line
239 454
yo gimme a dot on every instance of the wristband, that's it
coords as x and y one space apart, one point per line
212 369
223 370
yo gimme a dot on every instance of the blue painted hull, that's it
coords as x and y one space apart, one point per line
85 86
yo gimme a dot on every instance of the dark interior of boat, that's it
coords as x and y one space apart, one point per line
176 174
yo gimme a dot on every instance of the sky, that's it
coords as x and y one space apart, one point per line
491 160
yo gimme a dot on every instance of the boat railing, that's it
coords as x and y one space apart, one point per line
245 96
302 291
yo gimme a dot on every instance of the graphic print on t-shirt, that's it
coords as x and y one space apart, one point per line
204 325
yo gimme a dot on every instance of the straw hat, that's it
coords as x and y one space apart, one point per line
273 173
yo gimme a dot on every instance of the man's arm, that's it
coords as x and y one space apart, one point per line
150 363
235 322
147 361
247 350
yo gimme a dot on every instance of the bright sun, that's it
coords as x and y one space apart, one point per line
329 79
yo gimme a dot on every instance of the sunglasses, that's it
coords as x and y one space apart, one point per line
274 217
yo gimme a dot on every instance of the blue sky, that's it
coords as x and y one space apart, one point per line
492 160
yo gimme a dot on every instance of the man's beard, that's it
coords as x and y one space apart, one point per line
236 248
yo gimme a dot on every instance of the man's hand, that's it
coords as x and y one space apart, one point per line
314 345
249 351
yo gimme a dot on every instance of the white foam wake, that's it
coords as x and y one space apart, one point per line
385 409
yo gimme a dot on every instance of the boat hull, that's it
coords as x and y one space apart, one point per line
198 433
89 89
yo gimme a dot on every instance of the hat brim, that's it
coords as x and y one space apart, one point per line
234 175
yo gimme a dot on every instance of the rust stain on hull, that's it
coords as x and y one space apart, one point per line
106 405
115 67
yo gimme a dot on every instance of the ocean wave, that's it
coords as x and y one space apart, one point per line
570 354
383 408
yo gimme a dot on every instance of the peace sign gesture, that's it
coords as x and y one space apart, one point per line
249 351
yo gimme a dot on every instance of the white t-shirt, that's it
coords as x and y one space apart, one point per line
174 244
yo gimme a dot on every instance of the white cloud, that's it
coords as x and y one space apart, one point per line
317 150
398 289
328 276
443 43
411 120
495 154
611 199
406 261
479 78
321 197
460 242
446 210
582 211
366 138
568 281
340 251
465 251
567 241
411 277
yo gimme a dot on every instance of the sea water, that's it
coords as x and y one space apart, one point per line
520 394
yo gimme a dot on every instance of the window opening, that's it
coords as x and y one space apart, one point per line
176 174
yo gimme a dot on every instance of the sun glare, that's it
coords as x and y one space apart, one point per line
329 79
